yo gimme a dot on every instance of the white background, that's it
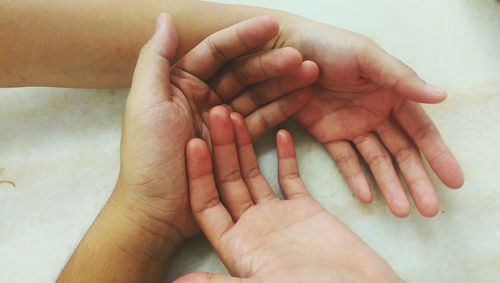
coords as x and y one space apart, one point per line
61 148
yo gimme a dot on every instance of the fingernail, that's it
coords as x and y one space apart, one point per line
160 21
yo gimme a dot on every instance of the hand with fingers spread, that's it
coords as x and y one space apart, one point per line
258 236
368 101
148 216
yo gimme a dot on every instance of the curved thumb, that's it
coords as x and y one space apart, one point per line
151 76
391 73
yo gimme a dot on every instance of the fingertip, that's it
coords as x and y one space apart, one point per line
365 196
361 189
400 208
291 58
429 208
236 118
259 30
220 126
434 92
311 70
448 170
425 198
195 146
415 89
284 143
268 23
167 36
282 136
457 181
198 158
218 111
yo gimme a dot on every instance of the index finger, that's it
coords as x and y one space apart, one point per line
223 46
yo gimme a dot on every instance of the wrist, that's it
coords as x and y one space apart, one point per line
136 214
148 243
120 246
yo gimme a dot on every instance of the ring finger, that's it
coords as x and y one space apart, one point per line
380 163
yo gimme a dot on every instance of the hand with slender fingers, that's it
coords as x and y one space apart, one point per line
168 105
258 236
367 100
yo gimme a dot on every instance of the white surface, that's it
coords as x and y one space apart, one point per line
61 148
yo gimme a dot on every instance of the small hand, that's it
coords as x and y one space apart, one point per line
366 99
258 236
167 106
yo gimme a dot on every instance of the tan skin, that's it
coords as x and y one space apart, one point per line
259 237
148 215
151 212
182 113
358 104
97 44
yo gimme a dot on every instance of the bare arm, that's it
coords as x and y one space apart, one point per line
96 43
122 246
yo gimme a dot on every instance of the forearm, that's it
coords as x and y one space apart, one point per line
122 246
96 43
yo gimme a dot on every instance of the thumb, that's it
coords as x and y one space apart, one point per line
391 73
151 76
205 277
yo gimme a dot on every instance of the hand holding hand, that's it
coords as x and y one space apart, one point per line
167 106
148 216
258 236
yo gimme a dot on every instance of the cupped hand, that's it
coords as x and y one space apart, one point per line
258 236
366 102
168 105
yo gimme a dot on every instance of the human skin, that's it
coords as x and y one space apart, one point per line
364 101
148 215
259 237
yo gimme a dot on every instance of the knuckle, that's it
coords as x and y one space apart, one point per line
242 77
359 140
215 50
403 154
377 160
344 158
251 173
231 176
263 121
205 204
294 175
423 132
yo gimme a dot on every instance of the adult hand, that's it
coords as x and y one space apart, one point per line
167 106
258 236
366 100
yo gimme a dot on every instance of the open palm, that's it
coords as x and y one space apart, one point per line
259 236
366 100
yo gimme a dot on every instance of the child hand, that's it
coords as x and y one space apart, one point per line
259 236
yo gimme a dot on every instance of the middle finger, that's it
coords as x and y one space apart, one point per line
232 188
